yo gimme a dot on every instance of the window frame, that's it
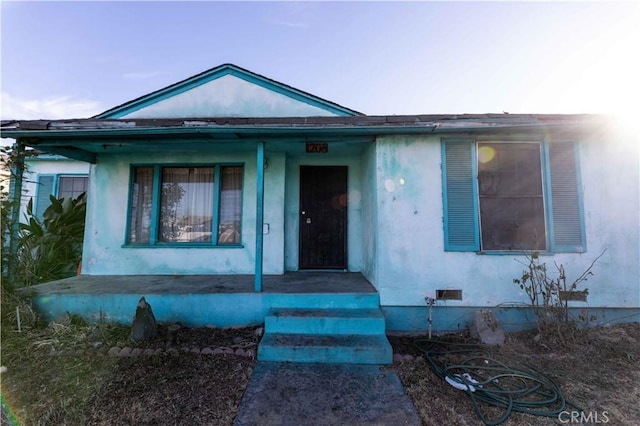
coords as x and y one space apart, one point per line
38 207
543 195
463 233
67 175
154 229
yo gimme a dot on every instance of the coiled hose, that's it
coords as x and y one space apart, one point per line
489 381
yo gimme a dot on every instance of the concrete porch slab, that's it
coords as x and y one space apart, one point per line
290 282
200 300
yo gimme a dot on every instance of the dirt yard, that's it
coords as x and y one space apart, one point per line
597 370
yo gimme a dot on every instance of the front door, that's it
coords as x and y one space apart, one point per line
323 217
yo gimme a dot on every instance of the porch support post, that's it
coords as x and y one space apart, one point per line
259 214
15 198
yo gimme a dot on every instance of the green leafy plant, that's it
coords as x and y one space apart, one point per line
549 294
50 247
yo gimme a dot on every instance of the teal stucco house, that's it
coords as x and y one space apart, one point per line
227 196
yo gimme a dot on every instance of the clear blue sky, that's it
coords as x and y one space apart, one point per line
76 59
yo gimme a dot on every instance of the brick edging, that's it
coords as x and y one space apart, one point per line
128 351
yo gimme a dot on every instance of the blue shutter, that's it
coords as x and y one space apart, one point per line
567 225
459 191
43 190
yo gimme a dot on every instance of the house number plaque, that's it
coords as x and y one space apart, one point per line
318 148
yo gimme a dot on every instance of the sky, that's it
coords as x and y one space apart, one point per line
76 59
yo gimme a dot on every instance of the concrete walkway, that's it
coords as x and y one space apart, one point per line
324 394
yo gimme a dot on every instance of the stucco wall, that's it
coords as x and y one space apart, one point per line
104 250
410 259
369 214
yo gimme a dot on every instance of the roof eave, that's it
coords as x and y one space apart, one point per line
284 131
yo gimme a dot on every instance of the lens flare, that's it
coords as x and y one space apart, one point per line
389 185
486 154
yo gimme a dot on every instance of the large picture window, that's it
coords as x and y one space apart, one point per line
511 196
174 205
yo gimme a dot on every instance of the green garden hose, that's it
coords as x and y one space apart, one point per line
491 382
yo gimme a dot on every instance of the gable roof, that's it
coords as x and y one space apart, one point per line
227 91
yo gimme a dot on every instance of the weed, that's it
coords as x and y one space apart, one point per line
549 295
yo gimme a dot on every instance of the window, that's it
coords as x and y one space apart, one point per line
184 204
511 196
72 186
60 186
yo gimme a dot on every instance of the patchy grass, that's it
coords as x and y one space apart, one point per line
40 389
94 389
598 370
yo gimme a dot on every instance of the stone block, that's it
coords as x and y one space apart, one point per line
126 351
485 328
144 325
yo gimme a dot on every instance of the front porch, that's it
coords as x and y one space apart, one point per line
201 300
308 317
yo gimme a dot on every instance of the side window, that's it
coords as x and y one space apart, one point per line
58 186
511 196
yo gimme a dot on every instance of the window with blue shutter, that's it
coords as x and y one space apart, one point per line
44 189
461 231
567 224
497 202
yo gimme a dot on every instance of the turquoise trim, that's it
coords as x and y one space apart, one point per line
294 130
467 229
48 157
184 245
415 319
43 190
259 215
127 230
583 231
73 153
552 245
516 252
215 73
266 130
195 310
547 195
155 205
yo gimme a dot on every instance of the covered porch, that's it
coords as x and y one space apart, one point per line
202 300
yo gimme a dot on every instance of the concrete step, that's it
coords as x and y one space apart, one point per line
317 348
325 321
324 300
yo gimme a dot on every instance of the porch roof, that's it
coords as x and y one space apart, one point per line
83 139
283 126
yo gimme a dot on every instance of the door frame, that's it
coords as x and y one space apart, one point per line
345 219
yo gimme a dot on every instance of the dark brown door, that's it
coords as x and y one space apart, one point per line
323 217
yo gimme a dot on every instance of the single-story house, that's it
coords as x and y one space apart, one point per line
231 174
